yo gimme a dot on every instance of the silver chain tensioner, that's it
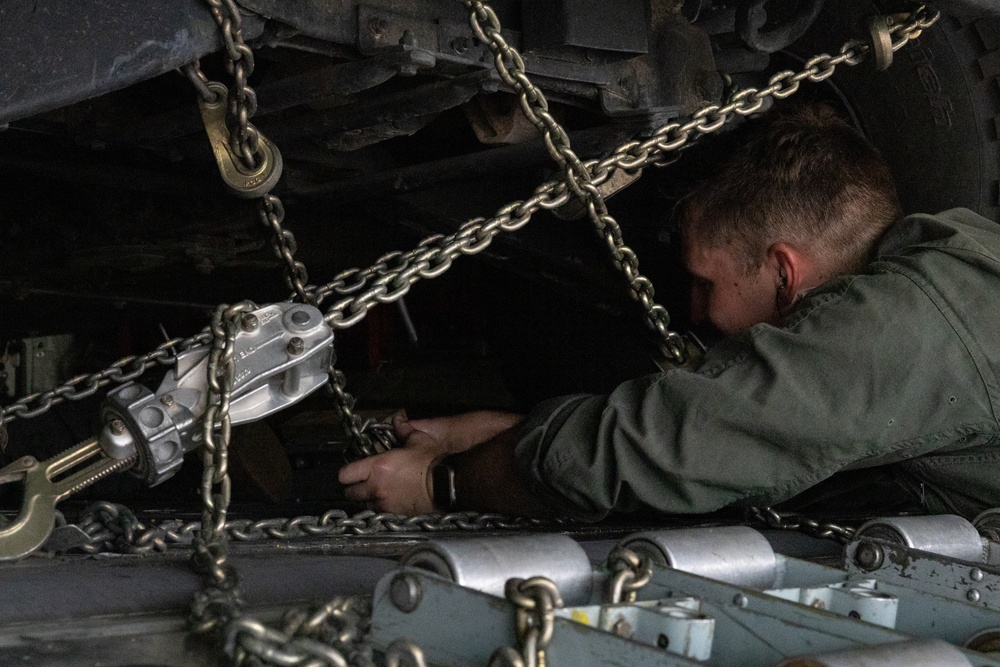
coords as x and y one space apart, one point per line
281 354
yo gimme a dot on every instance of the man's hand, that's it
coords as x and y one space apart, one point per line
396 481
459 432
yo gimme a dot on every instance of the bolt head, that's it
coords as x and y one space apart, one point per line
622 628
405 592
869 556
167 400
976 574
741 601
296 346
117 426
972 595
249 322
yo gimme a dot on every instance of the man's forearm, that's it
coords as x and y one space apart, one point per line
487 479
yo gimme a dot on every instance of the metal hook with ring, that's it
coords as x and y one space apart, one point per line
241 181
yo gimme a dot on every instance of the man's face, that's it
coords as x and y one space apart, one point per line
722 293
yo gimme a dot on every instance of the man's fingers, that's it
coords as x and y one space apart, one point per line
361 492
402 425
359 471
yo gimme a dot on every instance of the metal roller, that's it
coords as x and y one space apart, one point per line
944 534
916 653
485 564
733 554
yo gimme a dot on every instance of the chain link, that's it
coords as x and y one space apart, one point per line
404 653
244 139
536 600
365 438
576 175
124 370
631 571
794 521
272 214
334 634
113 528
219 601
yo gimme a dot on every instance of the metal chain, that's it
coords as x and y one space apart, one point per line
244 139
219 600
794 521
365 438
576 175
334 634
272 214
124 370
631 571
113 528
391 277
217 607
536 600
404 653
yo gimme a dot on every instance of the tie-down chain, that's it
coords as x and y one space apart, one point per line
249 164
390 277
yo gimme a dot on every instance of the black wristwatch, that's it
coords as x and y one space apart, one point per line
443 485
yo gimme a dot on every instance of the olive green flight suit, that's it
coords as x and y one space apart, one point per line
892 370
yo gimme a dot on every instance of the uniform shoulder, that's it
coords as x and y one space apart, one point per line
958 229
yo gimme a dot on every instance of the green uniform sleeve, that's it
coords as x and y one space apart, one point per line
867 371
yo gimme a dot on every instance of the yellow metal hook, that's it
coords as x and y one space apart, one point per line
45 484
244 183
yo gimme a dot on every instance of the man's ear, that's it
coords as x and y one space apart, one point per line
788 266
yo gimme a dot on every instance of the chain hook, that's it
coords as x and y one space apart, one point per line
879 40
244 181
